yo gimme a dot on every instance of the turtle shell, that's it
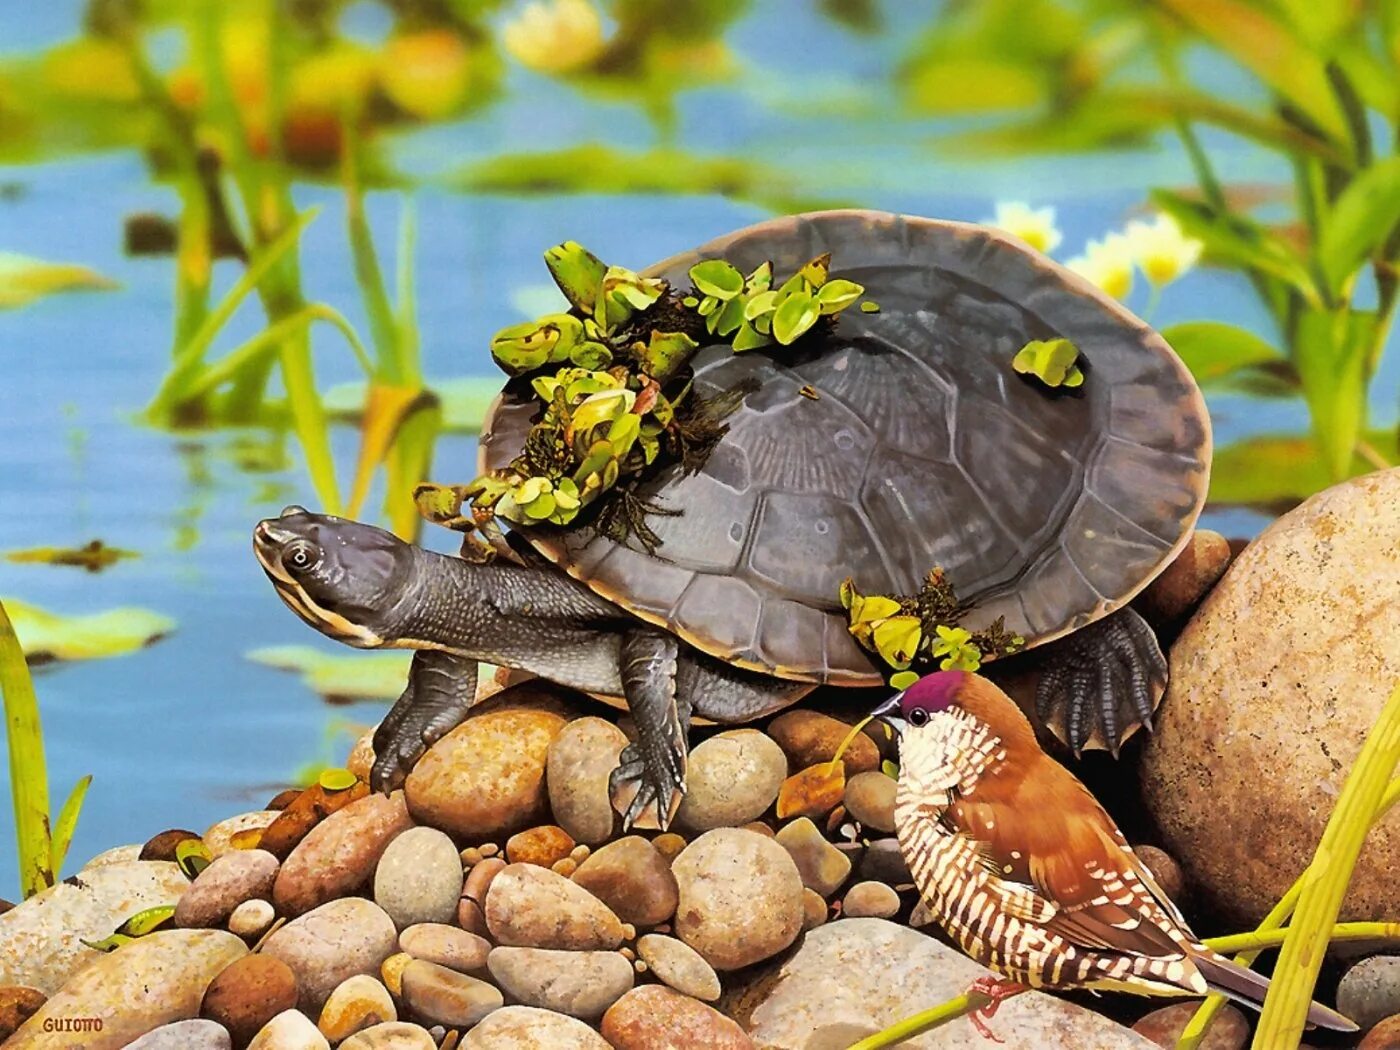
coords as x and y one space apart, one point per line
923 448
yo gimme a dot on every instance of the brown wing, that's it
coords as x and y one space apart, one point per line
1044 833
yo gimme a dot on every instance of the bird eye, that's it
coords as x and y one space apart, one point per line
300 556
918 717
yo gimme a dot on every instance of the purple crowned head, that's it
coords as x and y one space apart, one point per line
930 695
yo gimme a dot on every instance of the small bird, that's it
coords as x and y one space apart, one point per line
1024 869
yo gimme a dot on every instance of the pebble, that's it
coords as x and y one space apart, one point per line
632 879
533 907
251 919
814 909
391 1035
41 938
338 856
580 853
289 1030
544 845
883 862
529 1028
565 867
813 792
580 761
731 779
442 996
391 971
1370 990
669 845
486 777
1229 1030
740 897
808 737
333 942
162 845
1164 869
1384 1036
358 1002
580 984
821 865
360 761
654 1016
219 837
1180 587
147 983
445 945
419 878
304 812
115 855
248 994
230 880
192 1034
17 1004
680 966
870 900
285 798
870 799
489 849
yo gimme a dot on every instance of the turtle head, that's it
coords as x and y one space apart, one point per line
346 579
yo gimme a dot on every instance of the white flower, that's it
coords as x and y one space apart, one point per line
1107 263
1160 248
1035 226
555 36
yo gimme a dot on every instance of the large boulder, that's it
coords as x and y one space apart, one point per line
853 977
1275 683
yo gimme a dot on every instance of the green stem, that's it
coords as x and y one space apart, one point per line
1325 882
29 784
919 1023
1259 940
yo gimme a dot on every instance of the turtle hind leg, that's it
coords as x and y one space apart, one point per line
1107 676
651 771
441 688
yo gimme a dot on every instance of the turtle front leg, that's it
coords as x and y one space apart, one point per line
1108 676
652 770
441 688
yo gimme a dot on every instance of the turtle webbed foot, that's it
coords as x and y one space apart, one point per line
647 794
441 689
1104 680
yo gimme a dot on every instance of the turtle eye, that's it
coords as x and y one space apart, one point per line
918 717
300 556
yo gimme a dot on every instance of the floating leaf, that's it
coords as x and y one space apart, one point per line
869 307
337 779
903 680
192 856
341 677
890 769
94 556
717 278
794 316
1051 361
23 280
578 272
813 792
835 296
51 636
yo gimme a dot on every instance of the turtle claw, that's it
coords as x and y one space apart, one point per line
646 801
1105 680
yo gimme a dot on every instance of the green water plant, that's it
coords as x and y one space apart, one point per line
49 636
24 280
1322 256
41 841
1052 361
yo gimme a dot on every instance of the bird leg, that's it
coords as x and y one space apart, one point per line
998 990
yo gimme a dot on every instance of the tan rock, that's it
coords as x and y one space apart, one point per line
1183 583
194 1034
655 1016
808 737
17 1005
486 777
335 941
357 1003
392 1035
419 878
870 799
1275 683
153 981
1229 1030
544 845
529 1028
580 761
251 919
247 994
815 910
446 997
680 966
740 897
338 856
632 879
822 866
219 837
41 938
731 778
445 945
870 900
532 907
230 880
580 984
289 1030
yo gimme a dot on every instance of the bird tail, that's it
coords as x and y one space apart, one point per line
1247 987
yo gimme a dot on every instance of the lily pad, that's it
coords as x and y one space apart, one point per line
344 677
94 556
47 636
24 279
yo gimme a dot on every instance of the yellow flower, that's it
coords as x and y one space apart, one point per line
1107 263
1035 226
555 36
1160 248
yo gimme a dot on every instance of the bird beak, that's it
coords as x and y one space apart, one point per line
889 712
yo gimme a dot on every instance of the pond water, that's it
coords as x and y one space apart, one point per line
188 731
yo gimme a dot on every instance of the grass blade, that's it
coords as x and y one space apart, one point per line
67 823
29 785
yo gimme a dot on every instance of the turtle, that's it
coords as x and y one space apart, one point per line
894 442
